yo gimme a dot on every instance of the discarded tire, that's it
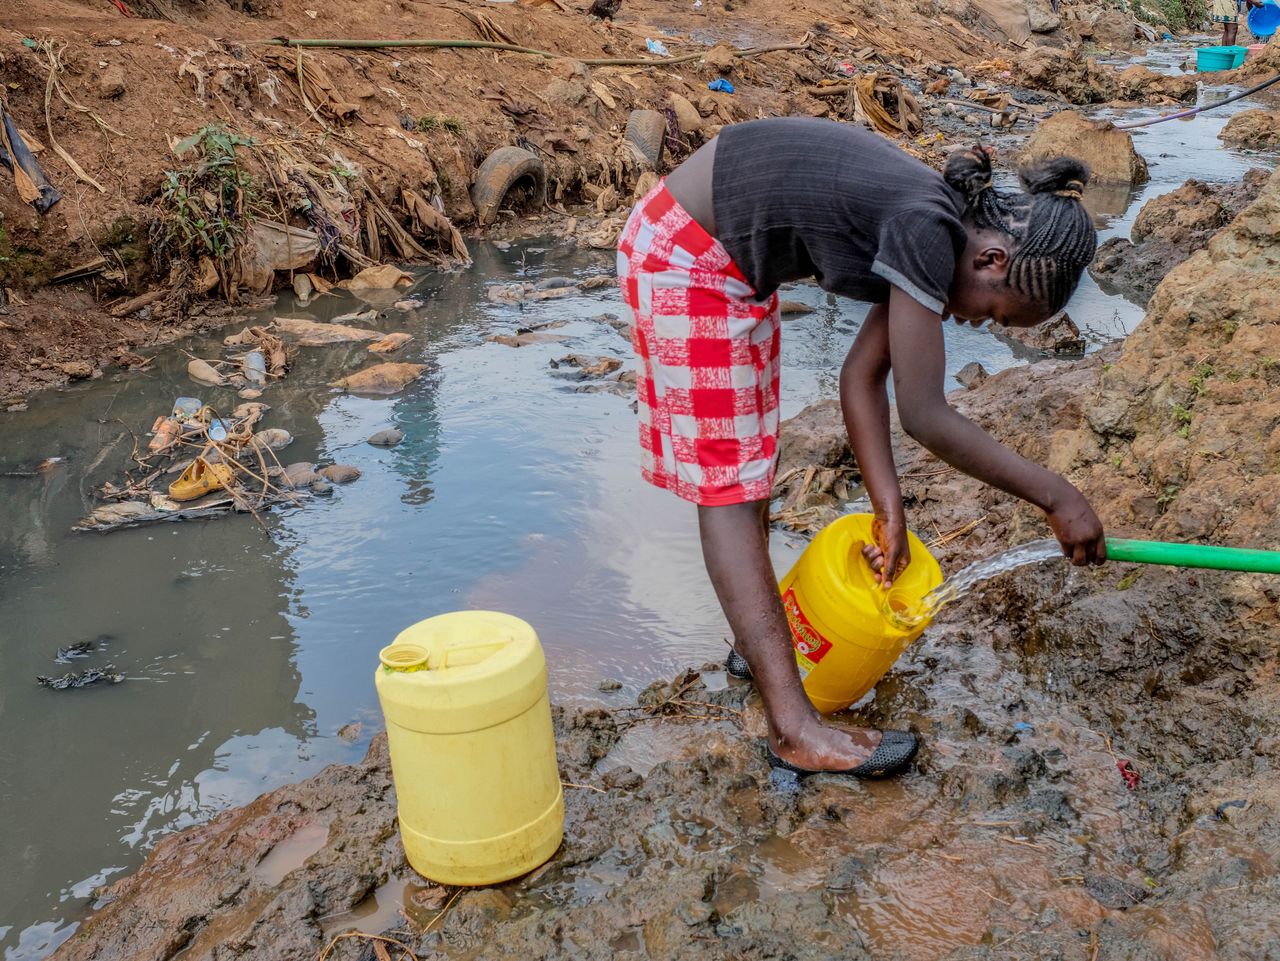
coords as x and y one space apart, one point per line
501 171
646 132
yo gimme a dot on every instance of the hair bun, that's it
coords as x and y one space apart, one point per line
1063 176
969 171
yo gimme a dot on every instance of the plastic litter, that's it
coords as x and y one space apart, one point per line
657 47
720 85
109 674
255 367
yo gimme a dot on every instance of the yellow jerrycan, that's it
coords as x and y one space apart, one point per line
841 620
473 755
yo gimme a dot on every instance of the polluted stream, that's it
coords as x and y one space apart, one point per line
248 651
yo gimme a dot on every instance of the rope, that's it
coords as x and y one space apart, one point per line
514 48
1191 112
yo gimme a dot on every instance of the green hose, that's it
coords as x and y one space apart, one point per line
1194 555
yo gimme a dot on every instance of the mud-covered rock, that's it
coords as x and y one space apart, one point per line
1143 83
1114 30
1167 231
1080 80
1059 335
1107 150
971 375
1258 129
1042 17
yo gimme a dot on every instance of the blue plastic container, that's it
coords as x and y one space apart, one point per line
1264 20
1219 58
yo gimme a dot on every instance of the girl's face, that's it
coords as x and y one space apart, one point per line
980 292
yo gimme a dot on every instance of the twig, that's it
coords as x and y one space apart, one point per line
711 704
374 937
585 787
1025 844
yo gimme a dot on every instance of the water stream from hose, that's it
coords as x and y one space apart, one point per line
963 583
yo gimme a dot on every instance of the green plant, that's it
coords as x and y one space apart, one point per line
207 202
1167 496
1182 415
432 121
1116 461
1203 373
1129 579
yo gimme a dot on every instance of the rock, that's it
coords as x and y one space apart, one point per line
77 369
565 93
386 438
1114 30
381 277
971 375
339 473
720 58
589 366
794 308
1114 893
203 373
321 486
273 438
525 339
1167 231
390 343
298 475
1078 79
816 435
309 333
1058 335
381 378
598 282
250 393
1042 16
1143 83
1108 152
111 81
610 684
407 305
554 283
1257 129
687 115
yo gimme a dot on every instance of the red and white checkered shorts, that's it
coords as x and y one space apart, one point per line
709 359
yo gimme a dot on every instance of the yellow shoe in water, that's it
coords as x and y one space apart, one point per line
199 479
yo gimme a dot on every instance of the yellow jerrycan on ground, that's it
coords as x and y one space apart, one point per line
473 755
841 620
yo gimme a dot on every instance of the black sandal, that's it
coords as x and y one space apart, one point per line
736 665
892 756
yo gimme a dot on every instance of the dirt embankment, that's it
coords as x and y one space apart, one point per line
195 143
1098 774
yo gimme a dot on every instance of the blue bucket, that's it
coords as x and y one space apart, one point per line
1219 58
1264 20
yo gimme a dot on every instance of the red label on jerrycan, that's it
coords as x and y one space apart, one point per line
811 647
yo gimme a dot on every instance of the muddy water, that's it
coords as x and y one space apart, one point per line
247 650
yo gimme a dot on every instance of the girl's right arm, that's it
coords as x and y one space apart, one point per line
918 357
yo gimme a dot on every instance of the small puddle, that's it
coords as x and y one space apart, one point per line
292 852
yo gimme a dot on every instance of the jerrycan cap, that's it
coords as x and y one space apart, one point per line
404 657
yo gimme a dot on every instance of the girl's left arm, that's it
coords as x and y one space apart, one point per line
864 402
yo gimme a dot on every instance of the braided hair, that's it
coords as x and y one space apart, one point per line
1052 234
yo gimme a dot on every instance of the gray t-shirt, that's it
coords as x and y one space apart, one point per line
797 197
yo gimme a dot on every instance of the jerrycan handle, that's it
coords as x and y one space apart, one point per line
853 573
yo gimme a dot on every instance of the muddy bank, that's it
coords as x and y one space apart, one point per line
1167 231
1098 777
206 163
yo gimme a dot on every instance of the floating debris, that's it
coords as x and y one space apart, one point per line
78 649
107 675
